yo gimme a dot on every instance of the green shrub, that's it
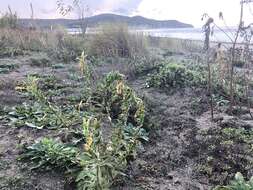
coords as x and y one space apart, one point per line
175 75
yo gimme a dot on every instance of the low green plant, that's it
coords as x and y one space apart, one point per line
7 68
99 162
41 113
220 100
241 134
10 51
239 183
175 75
58 66
49 154
233 143
39 117
40 62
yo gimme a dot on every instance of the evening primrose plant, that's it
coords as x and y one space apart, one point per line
100 160
41 113
120 101
83 65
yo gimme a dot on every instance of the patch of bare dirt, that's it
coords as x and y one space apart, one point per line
162 163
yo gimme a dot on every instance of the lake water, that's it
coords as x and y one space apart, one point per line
190 33
181 33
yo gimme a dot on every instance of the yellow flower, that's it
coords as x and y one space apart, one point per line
139 114
89 141
80 105
119 87
82 63
20 88
82 66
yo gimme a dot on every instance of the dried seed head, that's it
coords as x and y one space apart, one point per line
88 144
120 87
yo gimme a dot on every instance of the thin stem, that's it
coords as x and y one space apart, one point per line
231 39
233 60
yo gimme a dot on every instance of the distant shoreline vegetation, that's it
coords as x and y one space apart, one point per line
94 21
194 34
148 27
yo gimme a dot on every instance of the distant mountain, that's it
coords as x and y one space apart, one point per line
136 21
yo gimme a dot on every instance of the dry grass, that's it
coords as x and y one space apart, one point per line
176 45
116 40
26 39
57 43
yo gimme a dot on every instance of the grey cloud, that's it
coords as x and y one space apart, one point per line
44 7
123 11
126 7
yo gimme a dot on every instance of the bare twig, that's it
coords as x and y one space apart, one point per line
233 60
207 31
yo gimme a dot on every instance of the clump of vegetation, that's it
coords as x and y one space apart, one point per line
142 65
116 40
95 165
10 52
221 87
49 154
41 113
41 61
226 149
175 75
58 44
180 75
9 20
67 47
101 159
7 68
24 39
239 183
119 100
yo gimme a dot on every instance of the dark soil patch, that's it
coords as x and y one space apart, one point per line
162 164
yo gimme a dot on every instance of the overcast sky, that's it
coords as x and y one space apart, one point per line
188 11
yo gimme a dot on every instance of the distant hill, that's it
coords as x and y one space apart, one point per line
136 21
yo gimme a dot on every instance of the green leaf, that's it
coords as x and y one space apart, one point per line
33 126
